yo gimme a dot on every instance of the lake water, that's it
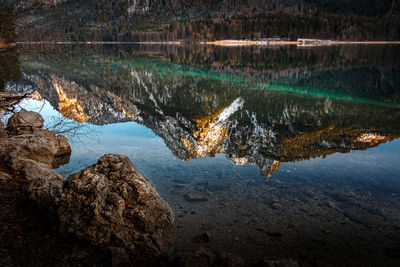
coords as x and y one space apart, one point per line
277 152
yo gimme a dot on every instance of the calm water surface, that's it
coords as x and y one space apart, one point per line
276 152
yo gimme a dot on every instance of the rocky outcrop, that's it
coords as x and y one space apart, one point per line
34 170
24 122
3 133
110 202
46 195
28 146
28 141
60 142
32 152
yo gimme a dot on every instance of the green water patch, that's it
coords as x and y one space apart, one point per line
254 84
113 72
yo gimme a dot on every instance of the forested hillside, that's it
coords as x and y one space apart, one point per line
199 20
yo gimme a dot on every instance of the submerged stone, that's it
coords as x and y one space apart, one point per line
204 237
195 197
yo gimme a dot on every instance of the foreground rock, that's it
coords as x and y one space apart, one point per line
24 122
31 151
28 141
46 195
3 133
111 203
29 146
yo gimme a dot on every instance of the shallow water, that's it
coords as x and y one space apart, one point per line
288 153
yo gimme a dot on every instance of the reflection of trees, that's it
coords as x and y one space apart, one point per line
9 64
182 104
340 70
9 67
7 27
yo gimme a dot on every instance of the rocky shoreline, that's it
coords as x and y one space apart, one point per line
109 204
105 215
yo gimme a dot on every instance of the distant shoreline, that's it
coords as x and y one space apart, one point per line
6 46
298 43
226 43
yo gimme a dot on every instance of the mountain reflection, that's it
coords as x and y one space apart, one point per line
276 106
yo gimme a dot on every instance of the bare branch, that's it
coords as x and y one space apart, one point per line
75 132
9 101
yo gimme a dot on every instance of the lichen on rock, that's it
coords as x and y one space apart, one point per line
111 203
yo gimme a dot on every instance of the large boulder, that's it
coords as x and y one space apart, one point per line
63 147
46 195
33 170
60 142
24 122
42 146
28 140
111 203
29 146
3 133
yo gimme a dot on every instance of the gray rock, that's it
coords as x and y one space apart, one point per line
332 204
276 205
34 170
63 147
28 146
45 194
195 197
24 122
60 142
42 146
110 202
